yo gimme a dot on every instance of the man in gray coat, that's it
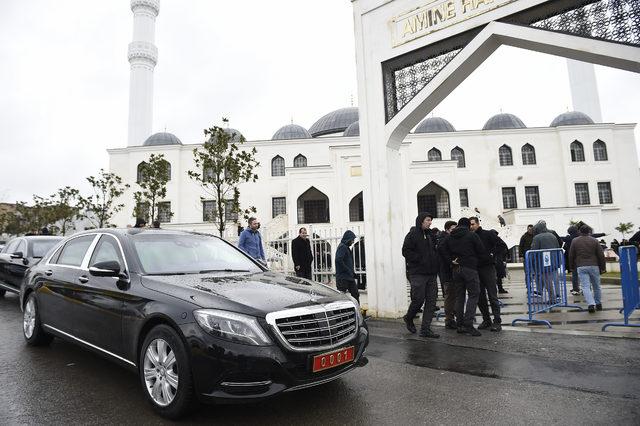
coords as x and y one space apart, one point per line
544 239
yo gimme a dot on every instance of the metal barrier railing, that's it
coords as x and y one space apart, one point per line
629 284
546 280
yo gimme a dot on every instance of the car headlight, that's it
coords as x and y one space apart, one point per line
232 326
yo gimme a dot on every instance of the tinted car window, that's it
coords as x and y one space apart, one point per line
73 252
11 248
166 253
106 250
41 247
22 247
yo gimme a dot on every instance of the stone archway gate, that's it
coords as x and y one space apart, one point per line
411 54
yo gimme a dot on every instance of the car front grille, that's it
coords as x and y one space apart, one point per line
316 327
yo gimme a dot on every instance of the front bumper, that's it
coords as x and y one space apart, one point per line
230 372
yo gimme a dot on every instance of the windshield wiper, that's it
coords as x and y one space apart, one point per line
205 271
170 273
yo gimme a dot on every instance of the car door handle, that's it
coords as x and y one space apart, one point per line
83 280
48 273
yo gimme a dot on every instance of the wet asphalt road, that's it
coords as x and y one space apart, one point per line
507 378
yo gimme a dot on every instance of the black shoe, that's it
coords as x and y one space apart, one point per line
496 327
503 291
450 325
484 325
461 330
410 326
598 306
592 309
428 333
472 332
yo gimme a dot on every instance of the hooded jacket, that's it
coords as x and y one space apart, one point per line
446 273
463 245
344 258
572 232
525 243
494 247
543 238
419 250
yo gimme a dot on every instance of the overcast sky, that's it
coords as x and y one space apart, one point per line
64 80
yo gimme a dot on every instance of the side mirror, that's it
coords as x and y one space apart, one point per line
110 268
17 255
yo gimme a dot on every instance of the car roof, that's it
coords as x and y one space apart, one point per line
137 231
42 237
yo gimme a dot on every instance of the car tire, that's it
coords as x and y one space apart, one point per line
31 325
160 371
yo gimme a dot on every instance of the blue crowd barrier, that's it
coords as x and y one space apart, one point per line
629 284
546 279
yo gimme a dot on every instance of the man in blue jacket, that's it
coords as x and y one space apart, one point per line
251 241
345 273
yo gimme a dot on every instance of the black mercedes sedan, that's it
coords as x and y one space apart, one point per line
198 319
20 254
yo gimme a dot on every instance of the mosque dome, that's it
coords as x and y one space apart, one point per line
504 121
162 138
434 125
353 129
236 134
571 118
334 122
291 131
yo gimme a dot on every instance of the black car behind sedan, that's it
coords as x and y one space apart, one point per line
20 254
197 318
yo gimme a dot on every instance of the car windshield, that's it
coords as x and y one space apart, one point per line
169 254
41 247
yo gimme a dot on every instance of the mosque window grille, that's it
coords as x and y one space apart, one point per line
164 212
532 197
582 194
600 151
505 155
509 200
457 154
577 152
230 211
356 209
277 166
464 198
434 154
278 206
604 193
208 210
300 161
528 155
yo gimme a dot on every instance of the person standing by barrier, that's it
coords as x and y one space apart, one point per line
525 242
419 251
251 241
493 247
446 277
572 232
587 260
301 254
544 239
345 272
462 250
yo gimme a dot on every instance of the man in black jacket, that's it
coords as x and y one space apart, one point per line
494 248
301 254
345 273
446 278
462 249
419 251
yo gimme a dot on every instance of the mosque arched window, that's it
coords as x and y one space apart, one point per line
528 155
505 155
277 166
577 151
600 151
141 171
300 161
434 154
457 154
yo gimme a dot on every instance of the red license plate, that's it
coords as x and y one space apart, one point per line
333 359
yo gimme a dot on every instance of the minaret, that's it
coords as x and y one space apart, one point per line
143 56
584 89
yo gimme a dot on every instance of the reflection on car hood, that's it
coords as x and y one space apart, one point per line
254 294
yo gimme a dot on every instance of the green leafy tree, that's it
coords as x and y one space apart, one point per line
62 209
624 228
154 175
100 206
221 166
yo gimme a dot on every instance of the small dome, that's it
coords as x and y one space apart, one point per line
162 138
236 133
353 129
334 122
504 121
571 118
434 125
291 131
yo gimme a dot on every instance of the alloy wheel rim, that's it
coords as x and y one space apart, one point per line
29 319
160 371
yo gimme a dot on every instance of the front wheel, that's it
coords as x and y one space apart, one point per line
165 373
31 325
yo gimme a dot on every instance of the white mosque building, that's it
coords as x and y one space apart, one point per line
574 169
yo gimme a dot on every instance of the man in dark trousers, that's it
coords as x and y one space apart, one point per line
525 242
345 273
419 251
462 249
494 248
301 254
446 278
587 260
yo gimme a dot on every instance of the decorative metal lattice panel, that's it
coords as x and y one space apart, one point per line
405 83
611 20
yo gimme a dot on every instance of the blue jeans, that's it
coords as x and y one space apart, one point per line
590 276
